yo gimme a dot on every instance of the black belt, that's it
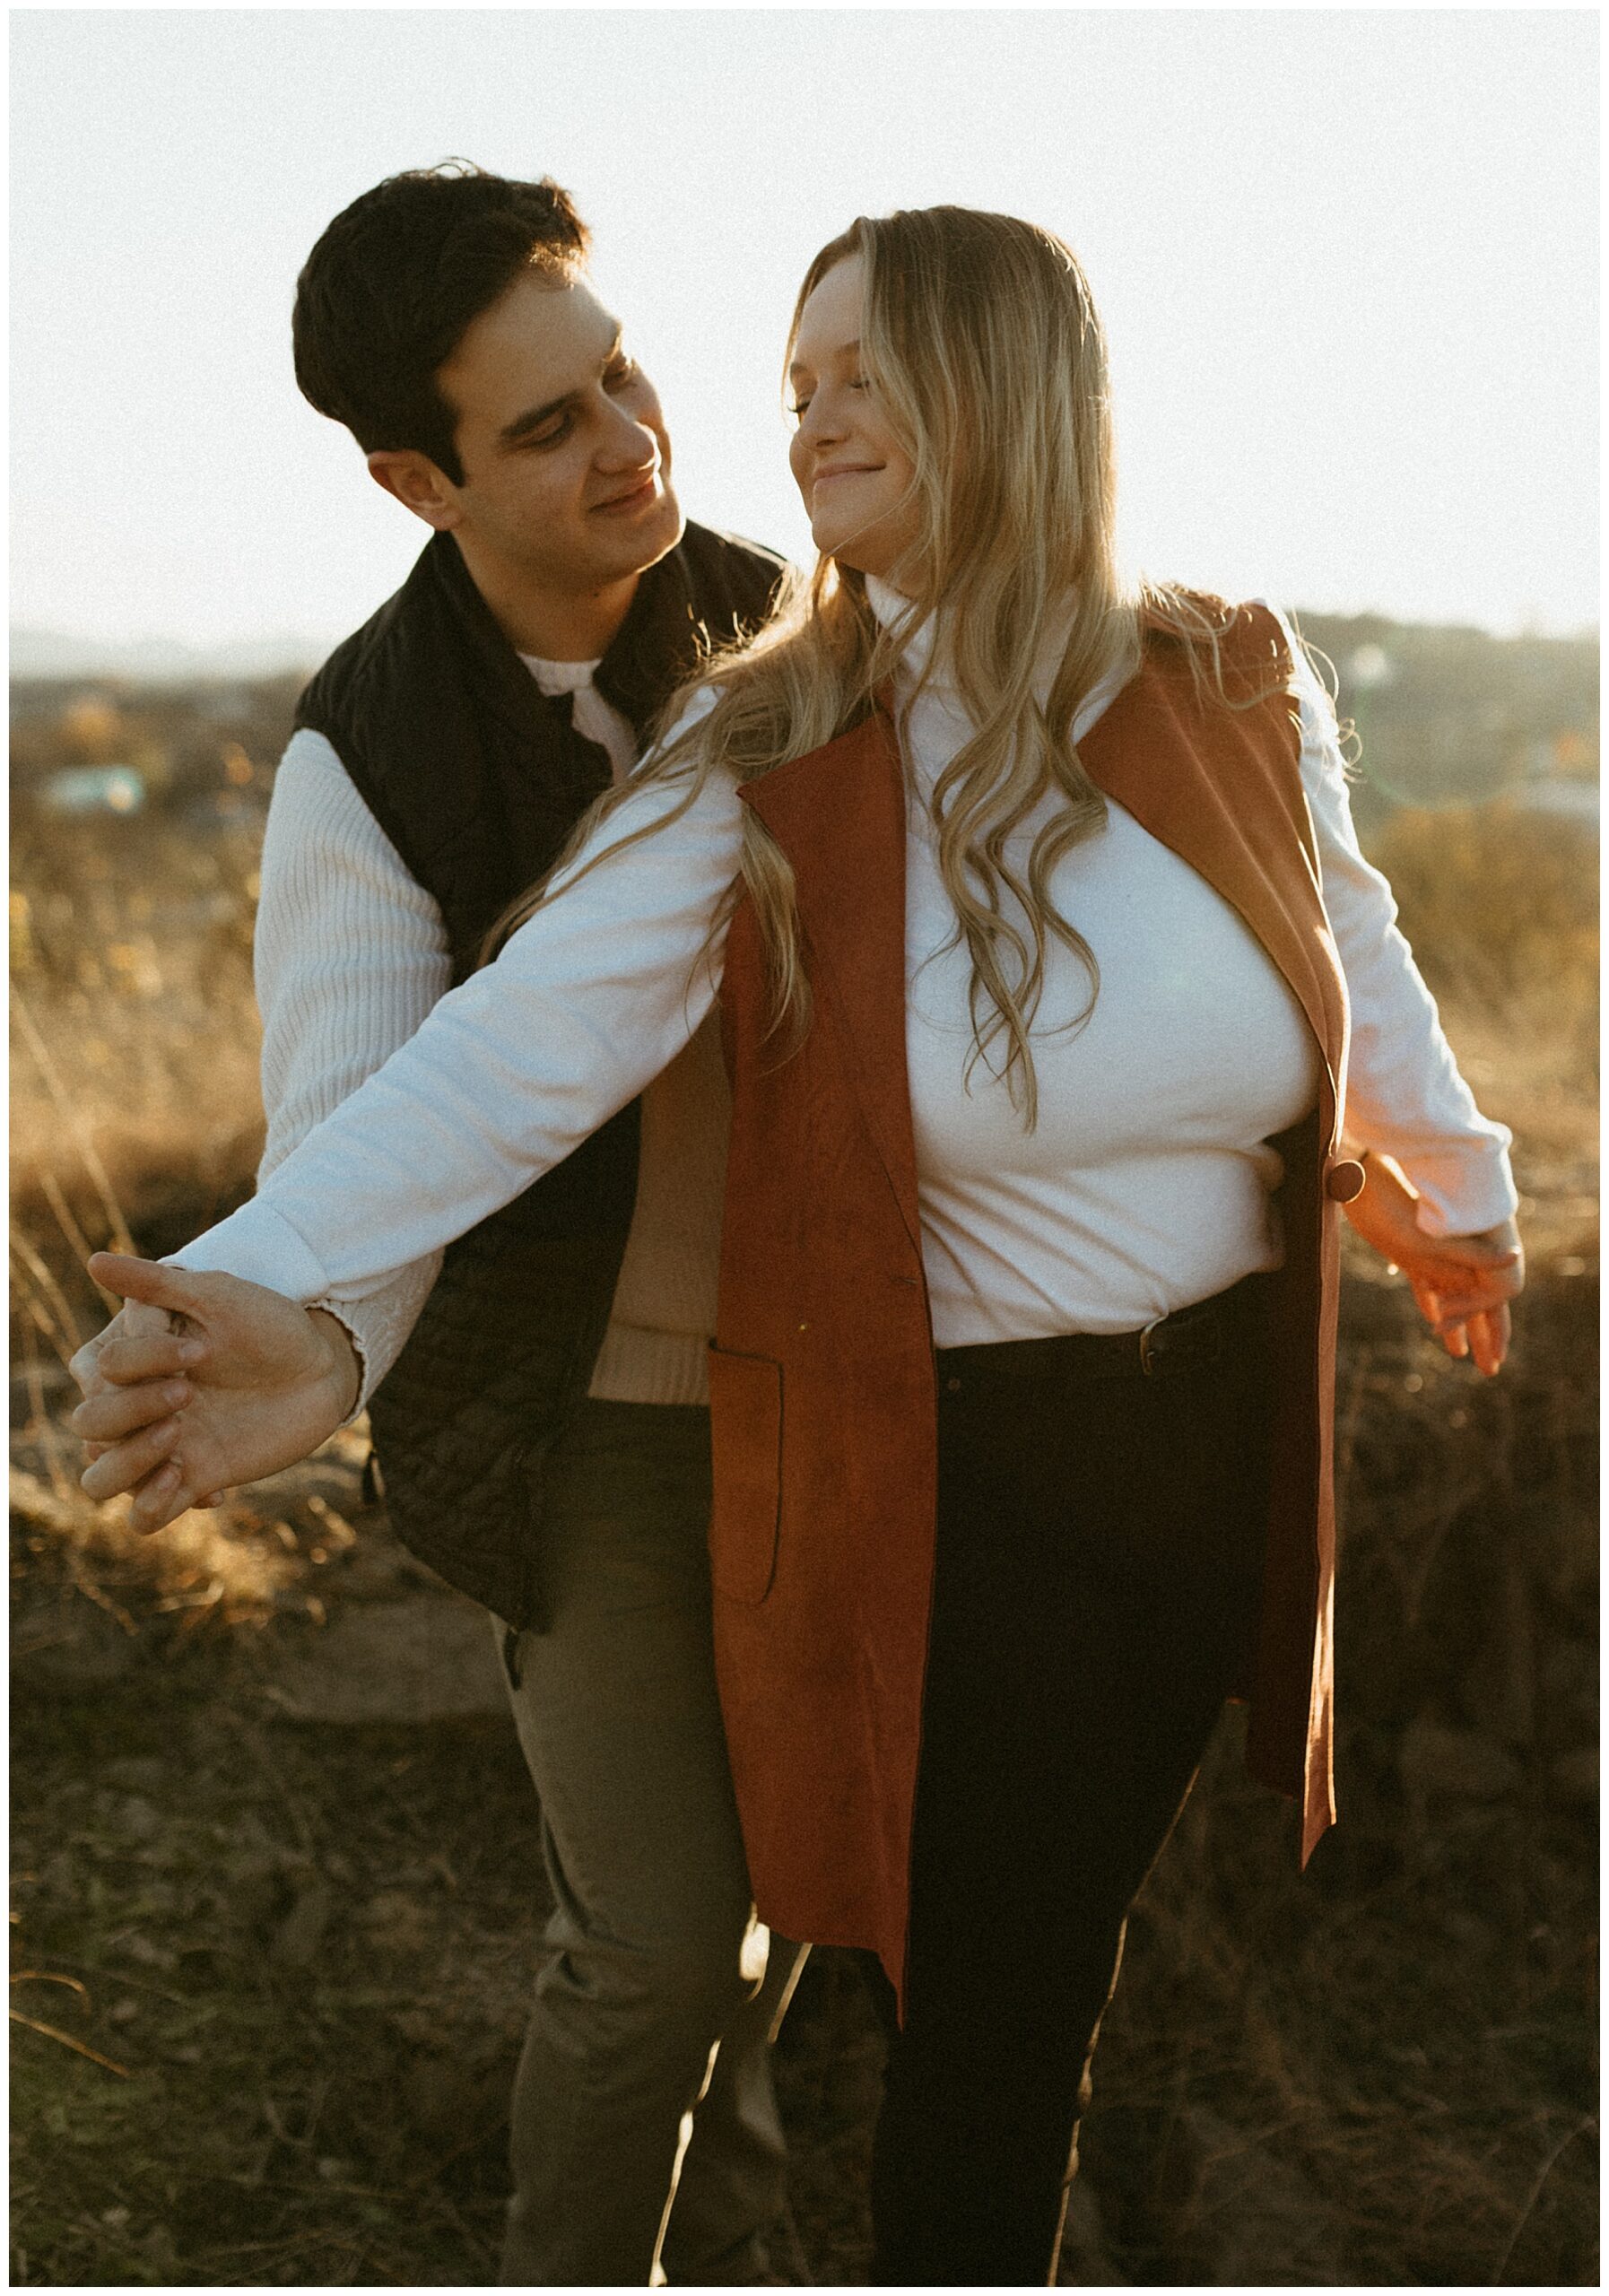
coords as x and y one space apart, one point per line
1186 1341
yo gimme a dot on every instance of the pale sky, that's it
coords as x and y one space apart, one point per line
1347 260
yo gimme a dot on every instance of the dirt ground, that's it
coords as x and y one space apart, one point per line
271 1967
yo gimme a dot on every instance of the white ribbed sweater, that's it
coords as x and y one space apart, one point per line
352 954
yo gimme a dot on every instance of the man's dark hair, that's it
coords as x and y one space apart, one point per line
388 292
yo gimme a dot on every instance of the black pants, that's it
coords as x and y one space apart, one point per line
1099 1546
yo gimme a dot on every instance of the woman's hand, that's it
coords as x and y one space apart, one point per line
1462 1284
201 1383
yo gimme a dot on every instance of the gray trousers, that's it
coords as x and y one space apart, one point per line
645 1975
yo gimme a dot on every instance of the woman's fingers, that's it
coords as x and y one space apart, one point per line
1484 1337
1458 1308
1492 1279
1473 1252
111 1414
160 1355
127 1463
1488 1336
144 1279
1470 1316
160 1499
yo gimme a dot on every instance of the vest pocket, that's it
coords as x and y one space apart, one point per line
745 1426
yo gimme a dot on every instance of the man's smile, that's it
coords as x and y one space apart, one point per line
634 497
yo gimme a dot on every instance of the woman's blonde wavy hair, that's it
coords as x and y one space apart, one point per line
982 341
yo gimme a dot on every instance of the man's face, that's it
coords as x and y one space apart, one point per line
562 441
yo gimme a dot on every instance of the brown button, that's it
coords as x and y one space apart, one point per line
1344 1179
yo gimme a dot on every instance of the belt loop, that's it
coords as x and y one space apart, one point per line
1147 1355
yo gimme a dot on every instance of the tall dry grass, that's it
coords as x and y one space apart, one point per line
134 1050
136 1122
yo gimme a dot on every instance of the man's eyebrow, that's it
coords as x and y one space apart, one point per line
535 417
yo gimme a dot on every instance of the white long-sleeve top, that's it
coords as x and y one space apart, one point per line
1126 1201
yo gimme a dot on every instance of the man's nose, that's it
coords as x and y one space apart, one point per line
628 445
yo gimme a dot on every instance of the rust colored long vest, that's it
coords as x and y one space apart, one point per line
821 1377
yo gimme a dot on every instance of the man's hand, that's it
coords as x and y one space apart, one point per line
201 1383
1462 1284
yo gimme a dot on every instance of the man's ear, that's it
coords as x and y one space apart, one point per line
418 484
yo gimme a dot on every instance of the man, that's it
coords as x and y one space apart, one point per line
543 1430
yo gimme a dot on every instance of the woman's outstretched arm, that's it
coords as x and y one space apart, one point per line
1441 1199
586 1003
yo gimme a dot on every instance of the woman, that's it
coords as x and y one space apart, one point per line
1028 902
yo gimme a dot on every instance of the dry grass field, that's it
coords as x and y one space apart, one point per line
271 1970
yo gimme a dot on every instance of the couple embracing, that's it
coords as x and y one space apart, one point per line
839 1240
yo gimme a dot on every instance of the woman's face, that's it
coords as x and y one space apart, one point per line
855 479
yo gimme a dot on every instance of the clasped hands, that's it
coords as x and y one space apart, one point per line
204 1382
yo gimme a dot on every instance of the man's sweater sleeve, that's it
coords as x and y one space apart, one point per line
350 954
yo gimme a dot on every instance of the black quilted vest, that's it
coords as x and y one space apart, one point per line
477 778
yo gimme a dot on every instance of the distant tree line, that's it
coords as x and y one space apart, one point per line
1437 716
1448 716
